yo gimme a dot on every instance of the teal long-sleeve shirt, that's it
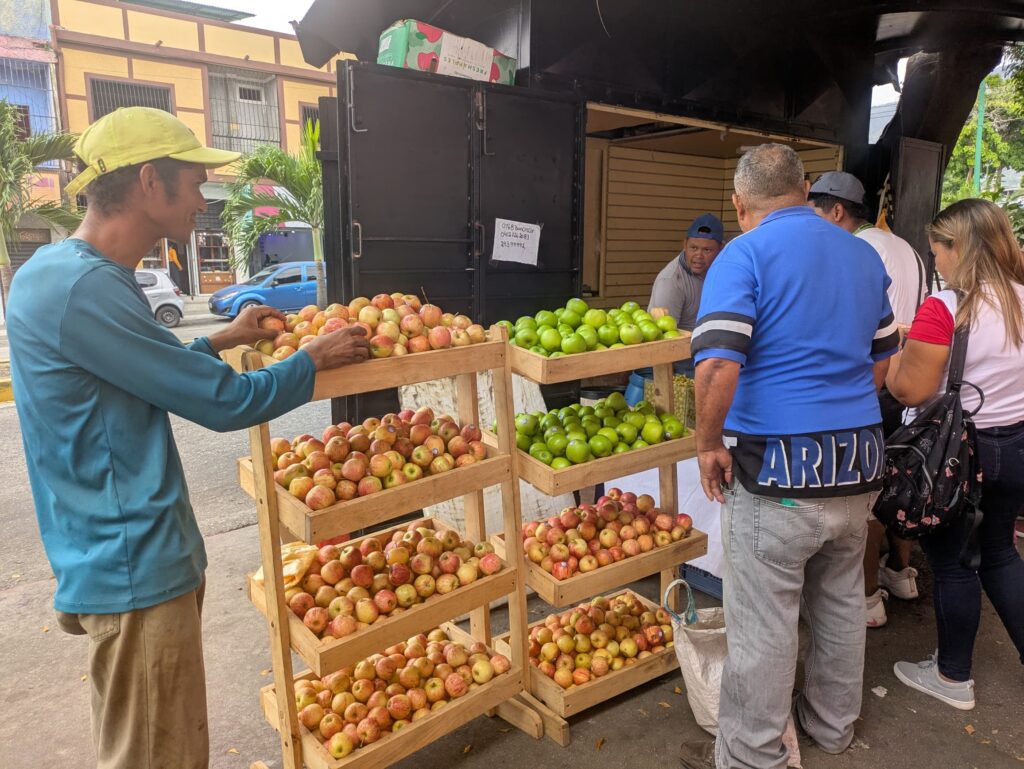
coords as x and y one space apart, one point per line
94 378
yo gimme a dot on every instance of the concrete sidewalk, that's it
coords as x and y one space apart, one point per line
44 711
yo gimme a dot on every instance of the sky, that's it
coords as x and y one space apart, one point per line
270 14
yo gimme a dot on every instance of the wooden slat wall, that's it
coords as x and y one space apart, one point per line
651 197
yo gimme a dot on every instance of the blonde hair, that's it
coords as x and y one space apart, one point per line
990 261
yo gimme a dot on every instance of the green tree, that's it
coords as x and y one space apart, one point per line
19 159
299 198
1002 144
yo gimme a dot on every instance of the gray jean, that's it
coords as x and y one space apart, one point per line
781 561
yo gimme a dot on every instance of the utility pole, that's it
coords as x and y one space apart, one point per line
978 138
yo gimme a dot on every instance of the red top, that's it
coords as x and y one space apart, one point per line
933 323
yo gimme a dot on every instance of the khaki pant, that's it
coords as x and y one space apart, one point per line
148 685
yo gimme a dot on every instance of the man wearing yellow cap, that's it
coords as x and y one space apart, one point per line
94 378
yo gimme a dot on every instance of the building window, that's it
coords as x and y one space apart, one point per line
22 122
250 94
243 109
214 254
310 115
109 95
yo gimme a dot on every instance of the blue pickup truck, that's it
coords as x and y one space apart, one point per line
287 286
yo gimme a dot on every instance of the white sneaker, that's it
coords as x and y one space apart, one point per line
924 676
902 584
875 609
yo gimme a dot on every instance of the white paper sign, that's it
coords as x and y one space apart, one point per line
516 241
462 57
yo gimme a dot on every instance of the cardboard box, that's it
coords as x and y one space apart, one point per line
415 45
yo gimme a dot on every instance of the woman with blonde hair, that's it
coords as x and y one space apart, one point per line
981 262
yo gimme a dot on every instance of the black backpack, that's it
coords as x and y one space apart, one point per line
932 476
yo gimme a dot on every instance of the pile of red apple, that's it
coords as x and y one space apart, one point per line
349 461
395 324
619 525
597 638
348 588
359 705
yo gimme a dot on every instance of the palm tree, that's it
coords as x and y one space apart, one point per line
19 158
298 197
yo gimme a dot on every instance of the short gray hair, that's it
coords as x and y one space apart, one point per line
769 171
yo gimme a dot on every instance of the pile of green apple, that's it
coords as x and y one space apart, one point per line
618 525
349 461
379 696
576 434
597 638
578 328
349 588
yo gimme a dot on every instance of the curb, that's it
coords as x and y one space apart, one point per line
6 391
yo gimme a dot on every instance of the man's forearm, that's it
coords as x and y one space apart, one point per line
714 388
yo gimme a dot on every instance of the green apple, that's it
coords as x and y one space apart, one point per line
551 340
523 441
508 325
526 337
635 418
673 429
574 343
542 455
617 401
639 443
557 443
670 334
608 334
578 434
653 432
570 318
589 335
560 463
620 448
650 331
666 323
600 446
611 422
577 306
627 433
577 452
526 424
539 350
525 321
610 434
557 354
616 346
595 318
628 333
629 307
545 318
643 407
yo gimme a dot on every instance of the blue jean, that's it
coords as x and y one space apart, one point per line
784 559
1001 573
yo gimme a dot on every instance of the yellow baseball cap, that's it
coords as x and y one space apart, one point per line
132 135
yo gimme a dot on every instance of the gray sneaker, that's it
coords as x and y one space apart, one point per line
924 676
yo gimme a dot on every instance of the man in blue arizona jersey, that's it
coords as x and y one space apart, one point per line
792 339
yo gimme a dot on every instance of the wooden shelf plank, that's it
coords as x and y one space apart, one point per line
385 373
418 734
554 482
569 702
599 362
345 517
580 586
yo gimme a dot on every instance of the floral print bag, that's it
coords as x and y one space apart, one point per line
932 476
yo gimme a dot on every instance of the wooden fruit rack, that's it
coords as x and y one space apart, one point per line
278 513
659 355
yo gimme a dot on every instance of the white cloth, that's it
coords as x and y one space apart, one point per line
907 289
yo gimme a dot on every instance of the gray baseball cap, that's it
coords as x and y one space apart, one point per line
839 184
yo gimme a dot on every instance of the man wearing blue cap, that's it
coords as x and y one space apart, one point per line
678 286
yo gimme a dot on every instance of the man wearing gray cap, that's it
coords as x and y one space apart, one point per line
839 198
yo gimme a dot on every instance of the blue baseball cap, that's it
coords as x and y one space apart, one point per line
707 226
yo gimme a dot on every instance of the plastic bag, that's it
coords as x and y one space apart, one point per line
701 649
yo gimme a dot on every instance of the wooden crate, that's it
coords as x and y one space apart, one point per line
585 365
580 586
325 655
576 699
384 373
416 735
553 482
345 517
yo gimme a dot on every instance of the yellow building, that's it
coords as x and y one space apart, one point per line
236 87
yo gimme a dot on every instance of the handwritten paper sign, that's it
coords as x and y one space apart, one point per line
516 241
